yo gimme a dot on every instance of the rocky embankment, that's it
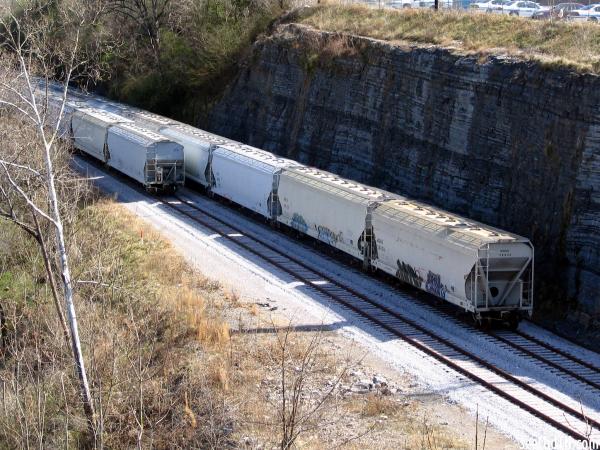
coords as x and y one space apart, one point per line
512 143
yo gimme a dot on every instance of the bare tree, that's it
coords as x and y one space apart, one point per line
40 40
300 366
148 15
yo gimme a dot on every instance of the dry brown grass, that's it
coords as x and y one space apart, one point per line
233 297
554 43
152 333
377 404
213 332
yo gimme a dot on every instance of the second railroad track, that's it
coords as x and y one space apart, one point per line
571 420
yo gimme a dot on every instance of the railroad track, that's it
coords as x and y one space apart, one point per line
572 421
559 362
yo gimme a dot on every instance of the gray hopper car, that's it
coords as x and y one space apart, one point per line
147 157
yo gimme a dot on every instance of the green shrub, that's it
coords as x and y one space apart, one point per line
197 56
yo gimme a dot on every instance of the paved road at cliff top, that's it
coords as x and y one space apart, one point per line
216 259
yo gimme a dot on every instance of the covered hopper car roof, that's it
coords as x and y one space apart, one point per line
138 134
443 224
103 116
198 133
151 117
54 103
257 155
336 185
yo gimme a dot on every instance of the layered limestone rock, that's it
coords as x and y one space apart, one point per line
507 142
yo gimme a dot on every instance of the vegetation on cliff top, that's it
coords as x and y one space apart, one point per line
554 43
179 63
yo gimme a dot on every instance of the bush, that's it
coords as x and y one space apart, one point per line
199 49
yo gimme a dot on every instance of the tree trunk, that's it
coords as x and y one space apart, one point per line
50 275
88 405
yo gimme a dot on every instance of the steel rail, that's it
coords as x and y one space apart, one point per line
558 351
444 310
410 340
553 364
565 336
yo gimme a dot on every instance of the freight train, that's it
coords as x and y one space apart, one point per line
483 270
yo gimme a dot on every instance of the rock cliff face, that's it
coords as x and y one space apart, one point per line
507 142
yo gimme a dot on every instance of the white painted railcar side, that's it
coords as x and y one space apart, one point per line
197 146
471 265
248 176
147 157
326 207
90 131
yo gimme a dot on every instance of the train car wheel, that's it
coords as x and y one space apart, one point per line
513 322
482 323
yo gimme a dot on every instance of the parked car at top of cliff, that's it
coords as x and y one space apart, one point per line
560 11
398 4
523 8
490 6
374 3
445 4
589 13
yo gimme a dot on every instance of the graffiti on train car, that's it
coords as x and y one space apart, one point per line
329 237
434 285
408 274
298 223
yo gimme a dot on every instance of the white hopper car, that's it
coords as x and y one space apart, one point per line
149 120
328 208
89 131
198 146
249 177
483 270
53 113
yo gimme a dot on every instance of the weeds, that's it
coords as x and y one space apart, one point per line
377 404
166 371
